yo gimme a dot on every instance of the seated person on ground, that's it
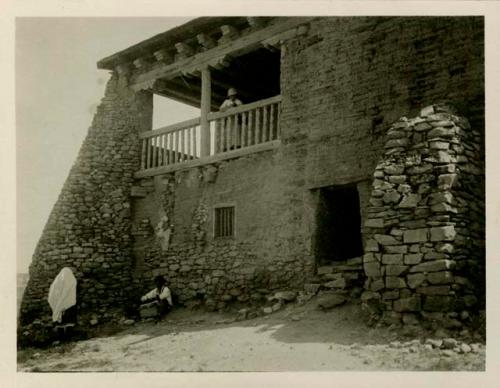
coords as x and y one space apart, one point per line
158 301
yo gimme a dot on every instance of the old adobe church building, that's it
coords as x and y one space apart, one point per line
355 164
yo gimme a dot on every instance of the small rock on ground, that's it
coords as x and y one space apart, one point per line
330 301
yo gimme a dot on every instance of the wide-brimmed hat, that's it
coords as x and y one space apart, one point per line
232 92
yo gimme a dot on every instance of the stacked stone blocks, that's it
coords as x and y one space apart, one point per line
425 223
89 227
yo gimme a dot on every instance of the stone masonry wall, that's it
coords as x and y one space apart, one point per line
349 78
173 229
89 226
341 86
425 232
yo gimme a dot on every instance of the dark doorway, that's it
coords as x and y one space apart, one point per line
338 224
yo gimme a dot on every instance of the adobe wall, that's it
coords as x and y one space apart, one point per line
89 226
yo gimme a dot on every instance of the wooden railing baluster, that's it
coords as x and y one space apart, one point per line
244 117
257 126
271 123
195 156
143 154
189 139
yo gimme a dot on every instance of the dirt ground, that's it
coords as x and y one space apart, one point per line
296 338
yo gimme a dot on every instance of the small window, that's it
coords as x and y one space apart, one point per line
224 222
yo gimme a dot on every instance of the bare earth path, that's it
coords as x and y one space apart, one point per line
297 338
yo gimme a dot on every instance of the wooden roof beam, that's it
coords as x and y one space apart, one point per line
164 56
206 41
183 51
229 33
234 48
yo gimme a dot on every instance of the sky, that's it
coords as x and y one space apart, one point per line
58 88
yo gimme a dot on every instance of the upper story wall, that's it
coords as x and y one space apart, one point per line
349 78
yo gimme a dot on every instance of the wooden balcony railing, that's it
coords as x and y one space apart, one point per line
245 125
170 145
245 129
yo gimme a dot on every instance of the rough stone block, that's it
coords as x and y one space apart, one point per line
443 208
446 181
415 280
374 223
409 201
412 258
396 143
439 303
419 170
435 256
441 157
443 277
445 248
441 197
391 196
394 169
397 179
311 288
372 269
443 233
325 269
369 295
411 304
433 266
396 249
395 270
371 245
354 261
394 282
332 276
384 239
439 145
339 283
434 290
377 285
390 295
329 301
416 235
394 258
369 258
441 132
427 111
423 126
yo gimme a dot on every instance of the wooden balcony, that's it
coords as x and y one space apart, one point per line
236 132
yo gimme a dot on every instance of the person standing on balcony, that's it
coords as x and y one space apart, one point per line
230 126
231 101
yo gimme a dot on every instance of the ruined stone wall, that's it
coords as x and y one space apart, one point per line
89 226
425 232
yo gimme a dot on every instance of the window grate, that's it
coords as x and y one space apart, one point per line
224 221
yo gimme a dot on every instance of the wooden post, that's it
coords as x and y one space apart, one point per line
206 101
